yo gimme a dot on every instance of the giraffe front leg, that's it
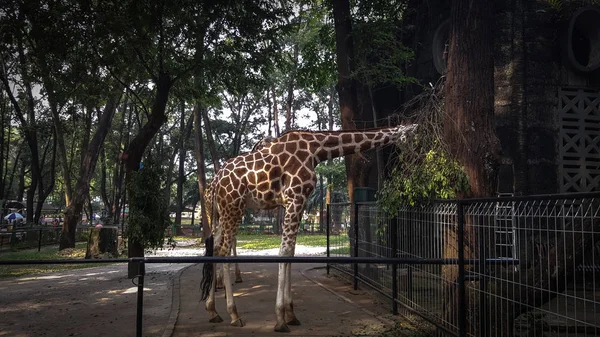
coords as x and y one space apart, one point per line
290 317
231 307
210 302
281 325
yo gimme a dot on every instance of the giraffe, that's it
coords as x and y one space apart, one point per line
277 172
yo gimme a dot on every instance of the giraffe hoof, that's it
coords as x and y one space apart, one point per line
282 328
216 319
293 321
239 280
238 323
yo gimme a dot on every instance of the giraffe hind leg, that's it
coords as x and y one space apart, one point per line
210 302
219 284
231 307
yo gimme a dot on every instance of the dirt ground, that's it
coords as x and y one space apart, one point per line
101 301
321 310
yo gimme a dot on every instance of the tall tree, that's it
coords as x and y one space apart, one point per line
469 124
346 85
86 171
469 120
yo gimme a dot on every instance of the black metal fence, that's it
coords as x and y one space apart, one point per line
15 237
527 266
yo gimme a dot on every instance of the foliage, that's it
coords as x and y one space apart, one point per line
380 54
423 169
148 209
436 176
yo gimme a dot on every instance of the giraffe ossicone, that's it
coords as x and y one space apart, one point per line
277 172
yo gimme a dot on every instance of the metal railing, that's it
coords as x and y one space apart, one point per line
14 237
536 269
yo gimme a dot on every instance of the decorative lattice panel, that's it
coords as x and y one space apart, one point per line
579 114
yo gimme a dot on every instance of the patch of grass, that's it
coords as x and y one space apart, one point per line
340 251
46 253
258 242
264 241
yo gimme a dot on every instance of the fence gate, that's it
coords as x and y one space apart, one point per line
579 148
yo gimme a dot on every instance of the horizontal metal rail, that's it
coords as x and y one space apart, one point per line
264 259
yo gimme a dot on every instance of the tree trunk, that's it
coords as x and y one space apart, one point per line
346 86
290 95
29 125
201 171
86 172
469 119
119 180
102 243
181 171
275 114
4 145
134 153
108 206
62 150
269 113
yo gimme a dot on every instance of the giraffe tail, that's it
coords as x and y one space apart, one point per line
208 269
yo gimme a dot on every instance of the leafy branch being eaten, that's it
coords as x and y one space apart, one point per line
422 168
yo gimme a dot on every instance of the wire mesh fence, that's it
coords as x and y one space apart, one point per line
528 266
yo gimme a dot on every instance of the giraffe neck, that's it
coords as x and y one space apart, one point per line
343 143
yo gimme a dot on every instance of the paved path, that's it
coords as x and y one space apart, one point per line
321 311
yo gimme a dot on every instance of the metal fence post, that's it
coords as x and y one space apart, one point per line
327 229
409 249
140 299
394 247
355 245
482 283
462 309
40 240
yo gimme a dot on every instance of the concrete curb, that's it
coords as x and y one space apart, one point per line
387 322
175 303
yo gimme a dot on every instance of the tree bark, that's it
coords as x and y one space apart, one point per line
62 151
86 172
201 171
469 127
290 94
102 243
469 120
119 194
346 85
275 114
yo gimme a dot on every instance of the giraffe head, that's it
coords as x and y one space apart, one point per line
403 131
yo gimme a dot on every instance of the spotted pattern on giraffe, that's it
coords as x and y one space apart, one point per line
278 172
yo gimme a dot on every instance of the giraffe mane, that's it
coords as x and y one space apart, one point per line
334 131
